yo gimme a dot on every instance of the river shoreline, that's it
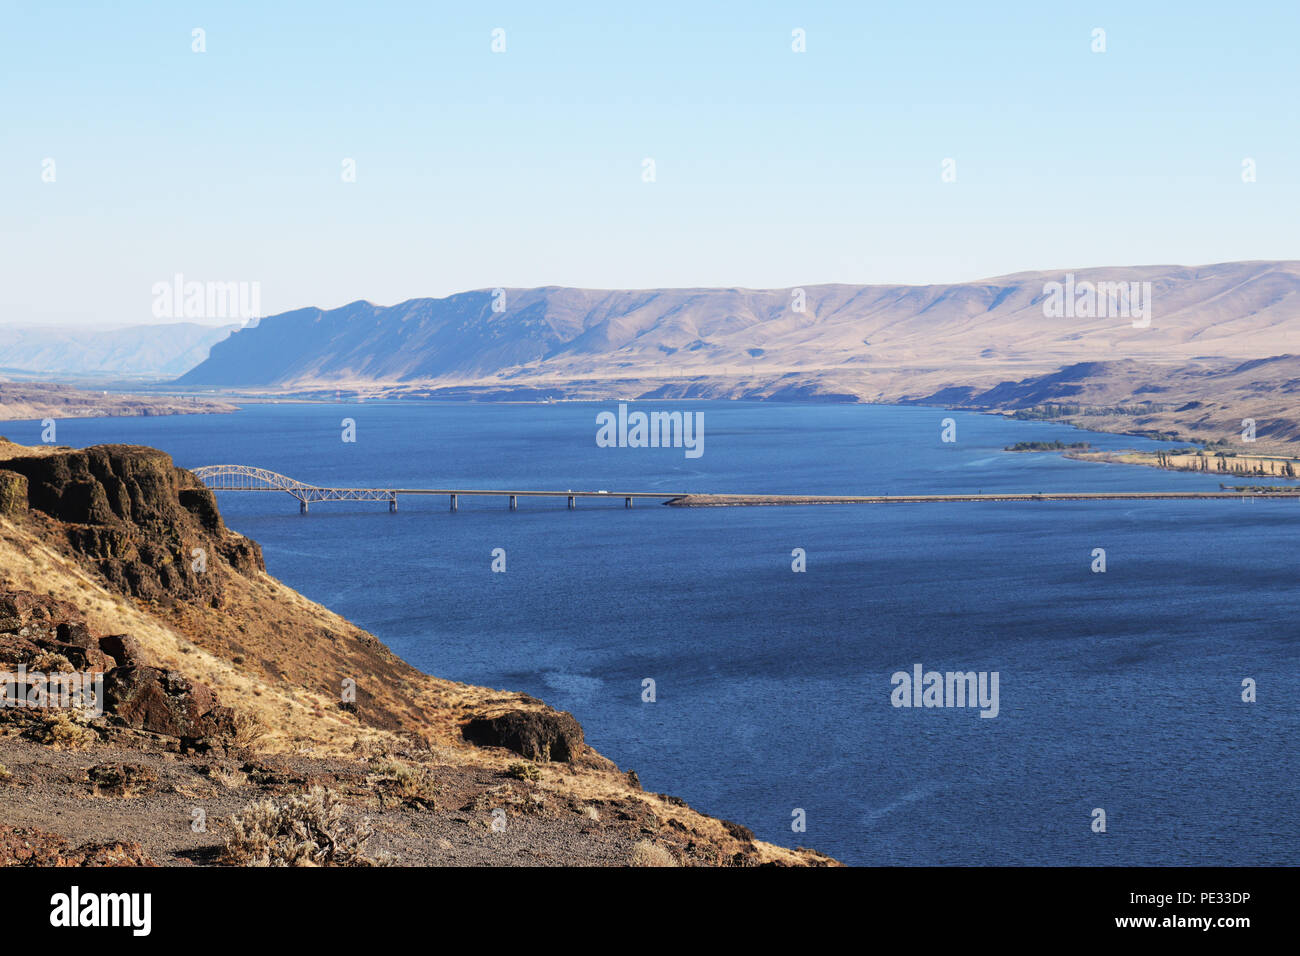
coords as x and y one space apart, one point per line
1228 464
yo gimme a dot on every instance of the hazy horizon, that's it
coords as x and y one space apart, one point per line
103 325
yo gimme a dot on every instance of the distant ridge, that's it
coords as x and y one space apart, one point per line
1220 347
846 336
140 351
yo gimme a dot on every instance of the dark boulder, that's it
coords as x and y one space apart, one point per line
81 648
165 702
535 734
123 648
32 624
19 609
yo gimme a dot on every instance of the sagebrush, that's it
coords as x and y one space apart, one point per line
307 829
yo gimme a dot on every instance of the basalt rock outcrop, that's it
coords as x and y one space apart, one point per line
165 702
151 529
535 734
32 626
31 846
43 636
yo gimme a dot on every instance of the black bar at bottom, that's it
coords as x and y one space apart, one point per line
924 905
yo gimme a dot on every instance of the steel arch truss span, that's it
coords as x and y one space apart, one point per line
248 478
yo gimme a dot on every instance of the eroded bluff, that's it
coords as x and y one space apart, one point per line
152 529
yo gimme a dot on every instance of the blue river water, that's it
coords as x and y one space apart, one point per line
1119 691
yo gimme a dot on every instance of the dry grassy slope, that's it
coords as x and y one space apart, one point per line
268 651
1197 402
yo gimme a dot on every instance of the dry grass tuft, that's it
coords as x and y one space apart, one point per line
250 729
523 771
646 853
411 784
61 731
49 662
230 779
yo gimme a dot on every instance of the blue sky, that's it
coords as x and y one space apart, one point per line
773 168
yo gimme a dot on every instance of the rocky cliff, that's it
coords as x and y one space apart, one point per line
150 528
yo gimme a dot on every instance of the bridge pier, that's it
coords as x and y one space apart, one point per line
627 502
302 506
392 505
453 502
572 503
514 502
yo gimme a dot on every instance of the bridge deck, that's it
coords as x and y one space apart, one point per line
383 494
718 501
247 478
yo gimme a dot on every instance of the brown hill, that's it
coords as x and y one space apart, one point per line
550 336
1201 402
1190 326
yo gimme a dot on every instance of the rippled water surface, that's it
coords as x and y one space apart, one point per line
1119 691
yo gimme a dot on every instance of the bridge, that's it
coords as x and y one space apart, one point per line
247 478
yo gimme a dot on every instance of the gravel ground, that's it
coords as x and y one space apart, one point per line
53 790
